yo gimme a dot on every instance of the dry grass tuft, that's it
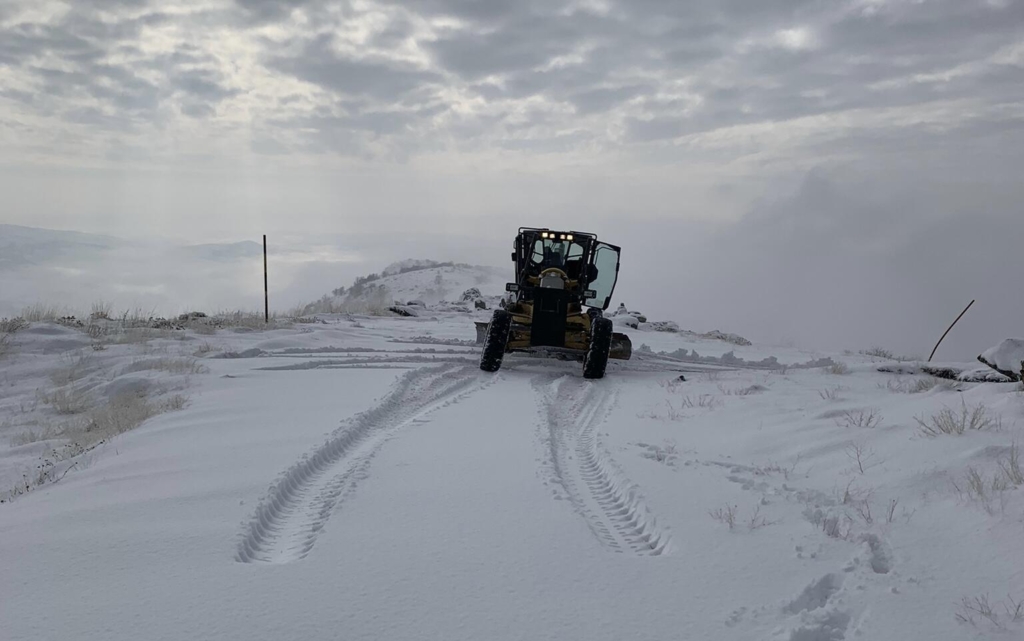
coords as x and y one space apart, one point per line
974 487
901 385
253 320
174 403
878 352
66 400
974 609
949 421
11 325
725 515
100 310
121 414
74 367
837 368
204 348
869 418
703 401
1010 466
830 393
171 365
39 312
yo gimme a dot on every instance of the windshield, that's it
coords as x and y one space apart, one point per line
561 254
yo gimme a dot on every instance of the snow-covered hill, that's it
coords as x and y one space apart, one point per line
426 281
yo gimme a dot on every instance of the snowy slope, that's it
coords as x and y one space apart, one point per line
414 280
360 478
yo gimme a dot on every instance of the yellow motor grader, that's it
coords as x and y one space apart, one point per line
564 282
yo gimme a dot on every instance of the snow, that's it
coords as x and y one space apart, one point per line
360 478
407 265
1007 356
435 284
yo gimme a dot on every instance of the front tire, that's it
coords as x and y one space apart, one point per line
497 338
596 360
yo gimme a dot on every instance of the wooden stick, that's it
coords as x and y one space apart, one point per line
266 294
949 328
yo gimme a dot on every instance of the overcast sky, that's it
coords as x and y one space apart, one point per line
820 170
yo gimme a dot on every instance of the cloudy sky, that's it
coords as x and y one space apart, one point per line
830 170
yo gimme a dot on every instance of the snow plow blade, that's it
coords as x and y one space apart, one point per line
621 347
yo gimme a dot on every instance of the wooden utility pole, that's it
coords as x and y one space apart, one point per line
266 294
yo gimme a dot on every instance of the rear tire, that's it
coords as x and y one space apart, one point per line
496 340
596 360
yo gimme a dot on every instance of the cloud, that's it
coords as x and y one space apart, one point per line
843 265
318 63
611 75
866 122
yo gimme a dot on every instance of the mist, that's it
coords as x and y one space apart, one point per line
833 264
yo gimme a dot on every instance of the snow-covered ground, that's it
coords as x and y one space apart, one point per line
360 478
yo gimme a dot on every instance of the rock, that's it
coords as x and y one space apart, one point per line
663 326
728 338
626 320
470 295
1007 358
163 323
983 375
70 321
480 303
253 352
416 303
404 310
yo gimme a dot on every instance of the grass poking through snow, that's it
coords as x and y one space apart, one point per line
950 421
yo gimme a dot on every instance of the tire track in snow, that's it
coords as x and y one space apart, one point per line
572 410
290 517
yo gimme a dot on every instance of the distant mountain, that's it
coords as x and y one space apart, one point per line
74 270
24 246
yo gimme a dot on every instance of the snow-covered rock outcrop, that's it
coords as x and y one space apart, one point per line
1007 358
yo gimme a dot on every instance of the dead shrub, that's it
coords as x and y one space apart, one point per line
725 515
837 368
949 421
11 325
974 609
170 365
868 418
830 393
66 400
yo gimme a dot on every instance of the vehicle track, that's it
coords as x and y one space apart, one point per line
290 517
572 409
